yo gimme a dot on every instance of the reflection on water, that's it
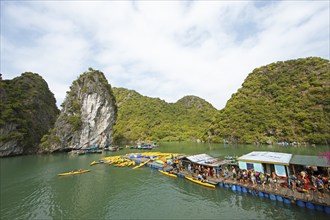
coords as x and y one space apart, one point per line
31 189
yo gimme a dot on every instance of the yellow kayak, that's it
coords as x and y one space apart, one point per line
141 164
73 172
200 182
168 174
93 163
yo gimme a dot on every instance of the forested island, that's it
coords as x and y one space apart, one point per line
144 118
285 102
282 102
28 111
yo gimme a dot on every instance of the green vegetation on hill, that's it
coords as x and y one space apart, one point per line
28 111
152 119
283 101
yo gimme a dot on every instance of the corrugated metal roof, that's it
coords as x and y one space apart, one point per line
266 157
207 160
201 157
307 160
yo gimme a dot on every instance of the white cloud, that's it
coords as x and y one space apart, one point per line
161 49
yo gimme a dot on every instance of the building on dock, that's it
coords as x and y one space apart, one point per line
203 163
266 162
314 164
204 160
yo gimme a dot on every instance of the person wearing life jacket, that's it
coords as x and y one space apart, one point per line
189 168
244 176
196 168
239 177
258 179
233 170
293 182
214 172
274 179
262 179
253 178
208 171
226 172
204 178
320 187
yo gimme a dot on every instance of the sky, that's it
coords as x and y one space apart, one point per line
164 49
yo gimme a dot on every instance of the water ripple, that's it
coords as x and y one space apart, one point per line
31 189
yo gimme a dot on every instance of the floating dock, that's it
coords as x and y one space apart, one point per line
310 199
313 200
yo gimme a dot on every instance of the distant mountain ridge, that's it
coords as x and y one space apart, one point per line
281 102
144 118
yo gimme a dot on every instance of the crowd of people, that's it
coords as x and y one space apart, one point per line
303 182
307 182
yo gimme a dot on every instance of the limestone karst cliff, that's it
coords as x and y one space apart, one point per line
27 111
87 117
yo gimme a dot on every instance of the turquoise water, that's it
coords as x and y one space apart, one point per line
31 189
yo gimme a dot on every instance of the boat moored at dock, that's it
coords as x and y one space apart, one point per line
200 182
168 174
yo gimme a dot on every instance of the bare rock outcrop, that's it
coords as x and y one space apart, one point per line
87 117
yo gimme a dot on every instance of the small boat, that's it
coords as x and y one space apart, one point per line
200 182
141 164
167 173
81 152
94 163
230 157
111 149
73 172
159 162
144 147
94 152
232 160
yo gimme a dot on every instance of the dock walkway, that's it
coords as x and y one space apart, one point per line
269 188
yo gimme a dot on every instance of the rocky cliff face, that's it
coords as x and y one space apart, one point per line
28 111
87 116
